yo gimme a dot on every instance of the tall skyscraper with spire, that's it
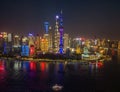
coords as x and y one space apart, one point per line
56 35
61 33
58 38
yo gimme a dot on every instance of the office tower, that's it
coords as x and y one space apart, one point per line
10 37
5 36
24 46
46 41
37 42
10 42
66 42
46 25
44 45
16 44
50 39
24 50
1 43
31 39
31 44
5 42
16 41
48 36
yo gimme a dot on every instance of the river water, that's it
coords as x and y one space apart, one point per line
30 76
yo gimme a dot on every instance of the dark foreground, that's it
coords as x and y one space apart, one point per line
23 76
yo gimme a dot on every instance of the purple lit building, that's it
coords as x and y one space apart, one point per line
61 33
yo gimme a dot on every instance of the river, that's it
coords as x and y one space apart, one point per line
30 76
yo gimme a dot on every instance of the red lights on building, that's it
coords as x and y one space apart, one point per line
32 50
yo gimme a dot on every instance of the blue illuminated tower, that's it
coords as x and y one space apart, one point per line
61 33
46 24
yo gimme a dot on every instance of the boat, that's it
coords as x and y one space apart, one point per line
57 87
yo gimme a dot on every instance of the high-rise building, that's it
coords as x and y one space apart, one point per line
50 40
48 36
5 35
16 41
24 46
44 45
66 42
61 34
56 35
31 40
37 42
16 45
6 48
46 25
46 41
1 43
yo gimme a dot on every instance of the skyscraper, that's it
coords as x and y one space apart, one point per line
61 33
66 42
48 36
56 35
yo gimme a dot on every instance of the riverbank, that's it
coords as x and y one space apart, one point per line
54 60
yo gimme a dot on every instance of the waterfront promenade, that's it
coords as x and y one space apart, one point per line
54 60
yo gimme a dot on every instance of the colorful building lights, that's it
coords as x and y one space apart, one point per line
61 34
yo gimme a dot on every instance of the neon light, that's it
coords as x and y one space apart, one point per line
32 50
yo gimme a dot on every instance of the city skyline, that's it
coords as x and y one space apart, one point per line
81 18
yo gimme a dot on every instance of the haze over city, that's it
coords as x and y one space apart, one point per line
81 17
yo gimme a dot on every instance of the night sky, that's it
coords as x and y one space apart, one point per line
85 18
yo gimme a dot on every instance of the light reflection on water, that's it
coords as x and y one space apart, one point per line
37 76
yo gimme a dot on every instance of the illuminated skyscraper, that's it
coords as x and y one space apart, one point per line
61 34
66 42
50 40
16 44
32 45
56 35
48 36
46 24
44 45
16 41
46 42
1 43
31 39
37 42
5 43
24 46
